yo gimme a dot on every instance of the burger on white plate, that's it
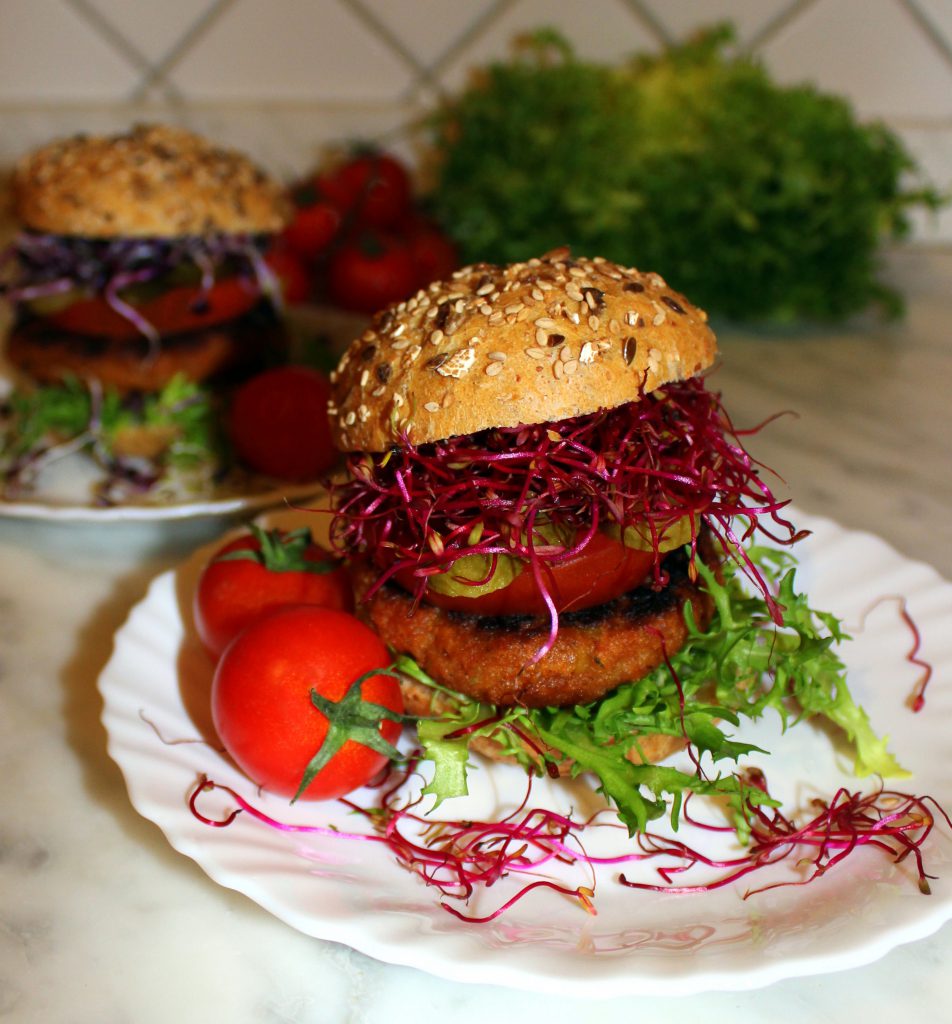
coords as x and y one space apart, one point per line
138 277
549 518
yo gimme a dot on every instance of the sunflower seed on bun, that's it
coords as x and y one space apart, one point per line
542 340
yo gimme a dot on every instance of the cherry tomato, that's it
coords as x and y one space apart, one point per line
371 272
262 705
434 255
604 570
292 275
258 572
173 311
374 189
278 423
313 227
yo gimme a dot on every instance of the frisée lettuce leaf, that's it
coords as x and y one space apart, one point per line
741 667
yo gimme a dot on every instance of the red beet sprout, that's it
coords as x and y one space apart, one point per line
457 858
896 824
540 492
917 700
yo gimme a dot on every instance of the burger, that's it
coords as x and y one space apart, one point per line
548 517
138 278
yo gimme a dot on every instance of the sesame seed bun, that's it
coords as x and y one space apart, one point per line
153 181
533 342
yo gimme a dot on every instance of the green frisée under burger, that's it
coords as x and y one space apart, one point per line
556 529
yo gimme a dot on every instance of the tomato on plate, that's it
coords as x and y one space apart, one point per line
258 572
313 227
370 272
603 570
267 690
373 188
176 310
278 423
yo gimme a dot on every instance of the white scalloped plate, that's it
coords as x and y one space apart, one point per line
155 690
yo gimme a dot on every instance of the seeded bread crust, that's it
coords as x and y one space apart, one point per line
533 342
153 181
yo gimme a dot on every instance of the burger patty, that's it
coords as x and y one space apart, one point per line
488 658
48 353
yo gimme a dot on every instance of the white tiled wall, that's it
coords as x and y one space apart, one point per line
283 78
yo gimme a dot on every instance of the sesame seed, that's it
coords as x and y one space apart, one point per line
574 317
485 309
397 331
413 353
658 319
350 419
541 335
614 326
603 345
399 346
497 357
594 323
363 413
496 318
364 377
377 392
513 308
447 400
570 367
432 406
493 368
537 294
565 354
573 291
486 288
578 271
535 353
558 369
545 321
436 337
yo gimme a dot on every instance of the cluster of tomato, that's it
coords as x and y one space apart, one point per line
358 240
296 700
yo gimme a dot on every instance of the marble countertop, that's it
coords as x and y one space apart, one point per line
101 921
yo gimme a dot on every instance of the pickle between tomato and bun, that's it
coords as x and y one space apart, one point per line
530 444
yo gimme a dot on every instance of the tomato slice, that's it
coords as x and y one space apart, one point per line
171 312
604 570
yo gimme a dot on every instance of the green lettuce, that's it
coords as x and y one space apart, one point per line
741 667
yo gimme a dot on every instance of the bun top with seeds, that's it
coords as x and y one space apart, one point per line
153 181
543 340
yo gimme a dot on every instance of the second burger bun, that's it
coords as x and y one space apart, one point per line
533 342
153 181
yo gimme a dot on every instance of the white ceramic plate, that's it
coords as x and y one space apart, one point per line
69 510
155 690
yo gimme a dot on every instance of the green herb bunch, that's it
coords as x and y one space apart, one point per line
760 202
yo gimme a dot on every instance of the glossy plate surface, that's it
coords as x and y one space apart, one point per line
155 689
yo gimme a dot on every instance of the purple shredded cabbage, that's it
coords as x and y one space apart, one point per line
37 265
